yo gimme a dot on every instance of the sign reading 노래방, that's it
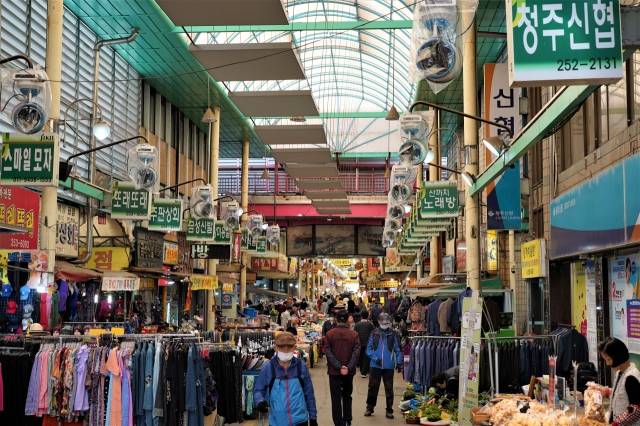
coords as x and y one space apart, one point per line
203 282
19 206
29 161
201 229
67 231
127 202
439 199
533 257
120 284
166 215
555 43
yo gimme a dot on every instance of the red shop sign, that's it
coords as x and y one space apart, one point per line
264 264
461 256
21 207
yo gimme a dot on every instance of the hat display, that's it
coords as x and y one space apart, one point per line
4 320
384 319
27 311
285 339
12 307
25 323
36 327
24 292
14 324
66 330
6 290
342 315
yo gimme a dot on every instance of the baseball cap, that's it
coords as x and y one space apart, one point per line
342 315
285 339
27 311
14 324
384 319
6 290
12 307
24 292
4 320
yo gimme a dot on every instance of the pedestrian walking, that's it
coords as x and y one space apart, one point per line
284 388
376 311
384 350
364 329
329 323
342 346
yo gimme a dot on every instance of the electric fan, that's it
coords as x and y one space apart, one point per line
201 202
401 181
396 210
273 234
231 219
414 131
393 225
143 163
254 225
27 95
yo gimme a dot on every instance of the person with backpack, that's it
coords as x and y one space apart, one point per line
384 350
342 346
284 388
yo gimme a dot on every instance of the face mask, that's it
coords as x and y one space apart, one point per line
384 326
284 356
331 320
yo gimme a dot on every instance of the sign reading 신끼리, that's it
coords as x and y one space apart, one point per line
561 42
127 202
439 199
120 284
31 161
166 215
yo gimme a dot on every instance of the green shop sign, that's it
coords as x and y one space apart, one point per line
29 161
127 202
222 235
561 42
200 229
439 200
166 215
247 243
261 247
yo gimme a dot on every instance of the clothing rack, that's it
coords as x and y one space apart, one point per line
434 337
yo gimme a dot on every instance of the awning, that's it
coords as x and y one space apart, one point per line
71 272
257 290
276 275
488 287
157 273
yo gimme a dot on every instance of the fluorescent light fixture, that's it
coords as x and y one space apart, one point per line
495 144
468 178
109 299
430 155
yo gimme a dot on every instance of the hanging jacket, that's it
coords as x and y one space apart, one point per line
384 345
292 400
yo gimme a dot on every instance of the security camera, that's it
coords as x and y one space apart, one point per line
513 268
342 217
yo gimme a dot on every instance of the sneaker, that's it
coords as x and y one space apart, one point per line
389 414
364 376
369 412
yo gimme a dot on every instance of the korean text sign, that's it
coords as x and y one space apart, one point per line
67 231
440 199
264 264
120 284
130 203
166 215
561 42
203 282
200 229
110 258
27 160
533 259
21 207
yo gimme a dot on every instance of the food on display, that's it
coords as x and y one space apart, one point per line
593 408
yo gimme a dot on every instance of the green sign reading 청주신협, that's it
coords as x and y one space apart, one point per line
561 42
222 235
127 202
166 215
29 161
440 199
200 229
261 245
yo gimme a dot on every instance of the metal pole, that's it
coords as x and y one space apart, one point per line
49 206
244 201
472 208
419 266
434 175
512 274
214 144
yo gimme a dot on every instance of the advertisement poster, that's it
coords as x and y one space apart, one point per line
623 288
470 356
579 290
592 334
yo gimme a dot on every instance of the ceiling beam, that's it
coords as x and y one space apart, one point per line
304 26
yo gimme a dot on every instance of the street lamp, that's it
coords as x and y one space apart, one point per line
101 130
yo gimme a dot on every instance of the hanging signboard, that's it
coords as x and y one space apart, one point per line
203 282
261 245
120 284
200 229
67 231
222 235
380 284
166 215
439 199
19 206
149 252
210 251
461 256
533 257
170 256
264 264
469 357
109 258
30 161
554 43
184 249
130 203
492 250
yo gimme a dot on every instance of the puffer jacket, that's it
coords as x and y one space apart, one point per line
384 345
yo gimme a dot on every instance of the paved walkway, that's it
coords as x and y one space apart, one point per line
323 400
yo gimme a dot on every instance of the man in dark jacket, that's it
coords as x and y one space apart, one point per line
364 329
342 346
376 310
329 323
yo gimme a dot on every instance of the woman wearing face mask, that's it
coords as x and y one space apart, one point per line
625 394
329 324
284 388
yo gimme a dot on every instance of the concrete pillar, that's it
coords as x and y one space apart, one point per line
214 144
300 289
434 175
472 205
419 266
244 203
49 205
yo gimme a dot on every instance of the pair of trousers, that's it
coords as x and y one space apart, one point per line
364 361
376 375
341 388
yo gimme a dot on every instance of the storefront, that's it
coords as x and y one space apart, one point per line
534 271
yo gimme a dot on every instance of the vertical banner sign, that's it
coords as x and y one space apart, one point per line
533 257
501 104
261 246
248 243
29 161
492 251
235 248
470 357
67 231
127 202
21 207
558 43
592 330
200 229
166 215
